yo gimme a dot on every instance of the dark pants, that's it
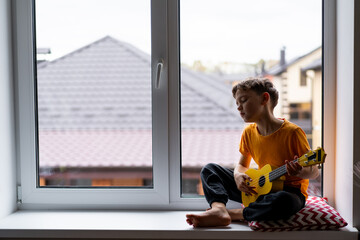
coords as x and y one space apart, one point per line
219 186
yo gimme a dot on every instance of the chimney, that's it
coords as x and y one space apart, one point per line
282 56
263 71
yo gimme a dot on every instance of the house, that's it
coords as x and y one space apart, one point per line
313 74
94 108
296 93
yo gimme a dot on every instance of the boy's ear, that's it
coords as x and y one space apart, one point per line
266 98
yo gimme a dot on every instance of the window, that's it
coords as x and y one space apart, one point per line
71 97
94 103
189 107
303 81
222 44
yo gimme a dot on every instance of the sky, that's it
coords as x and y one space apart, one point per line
239 31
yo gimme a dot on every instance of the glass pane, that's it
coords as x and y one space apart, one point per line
94 93
224 42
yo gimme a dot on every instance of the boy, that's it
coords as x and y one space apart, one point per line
268 140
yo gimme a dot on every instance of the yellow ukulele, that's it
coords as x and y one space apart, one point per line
266 179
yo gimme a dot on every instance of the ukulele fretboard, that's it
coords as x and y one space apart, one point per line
275 174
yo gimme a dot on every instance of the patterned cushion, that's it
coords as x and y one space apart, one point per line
316 215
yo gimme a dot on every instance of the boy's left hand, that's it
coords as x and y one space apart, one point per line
293 168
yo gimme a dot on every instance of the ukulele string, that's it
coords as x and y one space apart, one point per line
273 175
276 173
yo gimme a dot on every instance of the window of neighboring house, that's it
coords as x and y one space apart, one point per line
300 111
109 114
303 77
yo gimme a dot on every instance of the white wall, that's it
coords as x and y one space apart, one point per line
345 106
7 139
356 198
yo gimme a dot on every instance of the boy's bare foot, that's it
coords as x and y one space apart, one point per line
236 214
216 216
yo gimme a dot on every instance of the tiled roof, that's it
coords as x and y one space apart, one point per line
316 64
106 85
94 109
118 148
278 69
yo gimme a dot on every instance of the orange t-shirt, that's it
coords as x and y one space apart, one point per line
289 140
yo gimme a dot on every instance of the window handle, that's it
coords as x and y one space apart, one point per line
159 68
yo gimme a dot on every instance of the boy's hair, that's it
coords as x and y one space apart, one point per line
259 85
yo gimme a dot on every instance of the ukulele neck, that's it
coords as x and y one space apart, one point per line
280 171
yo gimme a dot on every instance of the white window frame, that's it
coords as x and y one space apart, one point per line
166 193
34 197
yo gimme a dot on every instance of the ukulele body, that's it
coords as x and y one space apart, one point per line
262 184
260 178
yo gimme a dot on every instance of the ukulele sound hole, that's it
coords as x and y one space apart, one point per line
261 181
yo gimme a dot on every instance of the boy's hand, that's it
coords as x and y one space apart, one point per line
241 180
293 168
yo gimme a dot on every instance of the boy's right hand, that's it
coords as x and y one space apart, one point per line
241 180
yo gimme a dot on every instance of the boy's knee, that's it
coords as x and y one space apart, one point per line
285 204
209 168
282 199
283 196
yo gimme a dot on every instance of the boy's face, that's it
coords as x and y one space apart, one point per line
249 104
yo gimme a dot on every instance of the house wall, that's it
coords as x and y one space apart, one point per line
7 142
278 110
297 93
316 83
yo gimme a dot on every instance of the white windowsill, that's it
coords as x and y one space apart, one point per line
138 225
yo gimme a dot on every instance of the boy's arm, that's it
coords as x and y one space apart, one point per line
240 177
243 165
302 146
295 169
